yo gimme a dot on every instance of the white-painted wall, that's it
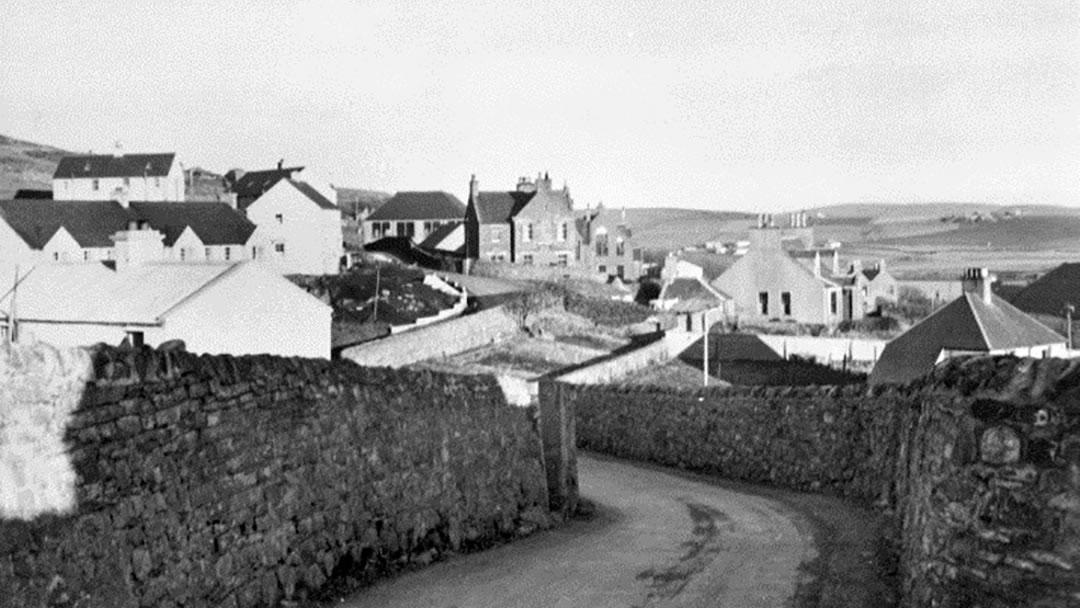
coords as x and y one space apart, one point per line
252 311
14 250
166 188
310 235
62 247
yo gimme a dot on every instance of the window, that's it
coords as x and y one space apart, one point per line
157 182
601 269
253 253
528 232
601 245
620 271
85 255
785 301
135 338
280 218
207 253
620 247
127 182
56 256
763 302
563 231
94 185
183 254
406 229
527 259
279 248
564 259
429 226
832 302
228 253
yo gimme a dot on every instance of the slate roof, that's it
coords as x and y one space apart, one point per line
1051 292
500 207
253 184
213 223
91 223
691 294
316 197
435 205
108 165
871 273
968 324
439 238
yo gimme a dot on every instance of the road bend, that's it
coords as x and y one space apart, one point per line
661 538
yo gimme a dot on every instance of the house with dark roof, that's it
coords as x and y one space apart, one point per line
144 177
413 215
532 224
298 229
1054 298
977 322
250 185
36 231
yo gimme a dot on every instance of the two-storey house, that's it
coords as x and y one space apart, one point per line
532 224
142 177
298 229
607 245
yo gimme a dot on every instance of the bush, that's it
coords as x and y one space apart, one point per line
911 305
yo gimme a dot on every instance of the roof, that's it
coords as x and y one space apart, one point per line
92 223
92 293
448 237
967 323
691 294
316 197
500 207
213 223
253 184
1051 292
871 273
108 165
436 205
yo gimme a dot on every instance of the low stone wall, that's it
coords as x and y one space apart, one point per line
144 478
980 464
618 367
440 340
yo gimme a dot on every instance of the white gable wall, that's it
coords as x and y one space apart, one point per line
62 247
14 250
251 311
309 235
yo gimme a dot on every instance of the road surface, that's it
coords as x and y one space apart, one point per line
663 538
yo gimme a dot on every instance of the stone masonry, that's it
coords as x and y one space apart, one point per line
221 481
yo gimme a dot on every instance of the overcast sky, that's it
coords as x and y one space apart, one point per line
722 105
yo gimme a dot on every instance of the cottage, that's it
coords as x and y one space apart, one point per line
43 231
977 322
145 177
413 215
234 308
768 283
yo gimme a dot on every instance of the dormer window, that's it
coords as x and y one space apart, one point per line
280 218
95 185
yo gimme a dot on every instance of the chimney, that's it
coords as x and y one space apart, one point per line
118 149
122 196
977 281
474 187
817 263
835 262
137 245
280 163
230 199
880 266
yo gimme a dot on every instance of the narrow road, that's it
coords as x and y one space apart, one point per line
663 538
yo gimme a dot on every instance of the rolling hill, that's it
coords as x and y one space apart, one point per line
25 164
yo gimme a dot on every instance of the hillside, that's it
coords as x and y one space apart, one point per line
914 212
658 227
25 164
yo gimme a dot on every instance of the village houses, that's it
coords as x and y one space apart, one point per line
298 229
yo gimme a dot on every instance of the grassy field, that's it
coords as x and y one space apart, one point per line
26 165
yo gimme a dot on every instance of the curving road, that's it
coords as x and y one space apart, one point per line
663 538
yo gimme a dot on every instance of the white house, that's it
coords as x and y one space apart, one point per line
144 177
239 308
298 229
415 215
42 231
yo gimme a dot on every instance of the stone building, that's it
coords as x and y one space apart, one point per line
532 224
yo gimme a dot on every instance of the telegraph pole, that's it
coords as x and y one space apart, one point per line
1069 309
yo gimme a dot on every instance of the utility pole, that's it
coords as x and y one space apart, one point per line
1069 309
375 314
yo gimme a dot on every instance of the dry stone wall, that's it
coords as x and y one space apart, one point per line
220 481
980 463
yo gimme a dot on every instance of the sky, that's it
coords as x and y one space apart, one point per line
726 105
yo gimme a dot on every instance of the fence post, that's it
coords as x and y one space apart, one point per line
559 441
